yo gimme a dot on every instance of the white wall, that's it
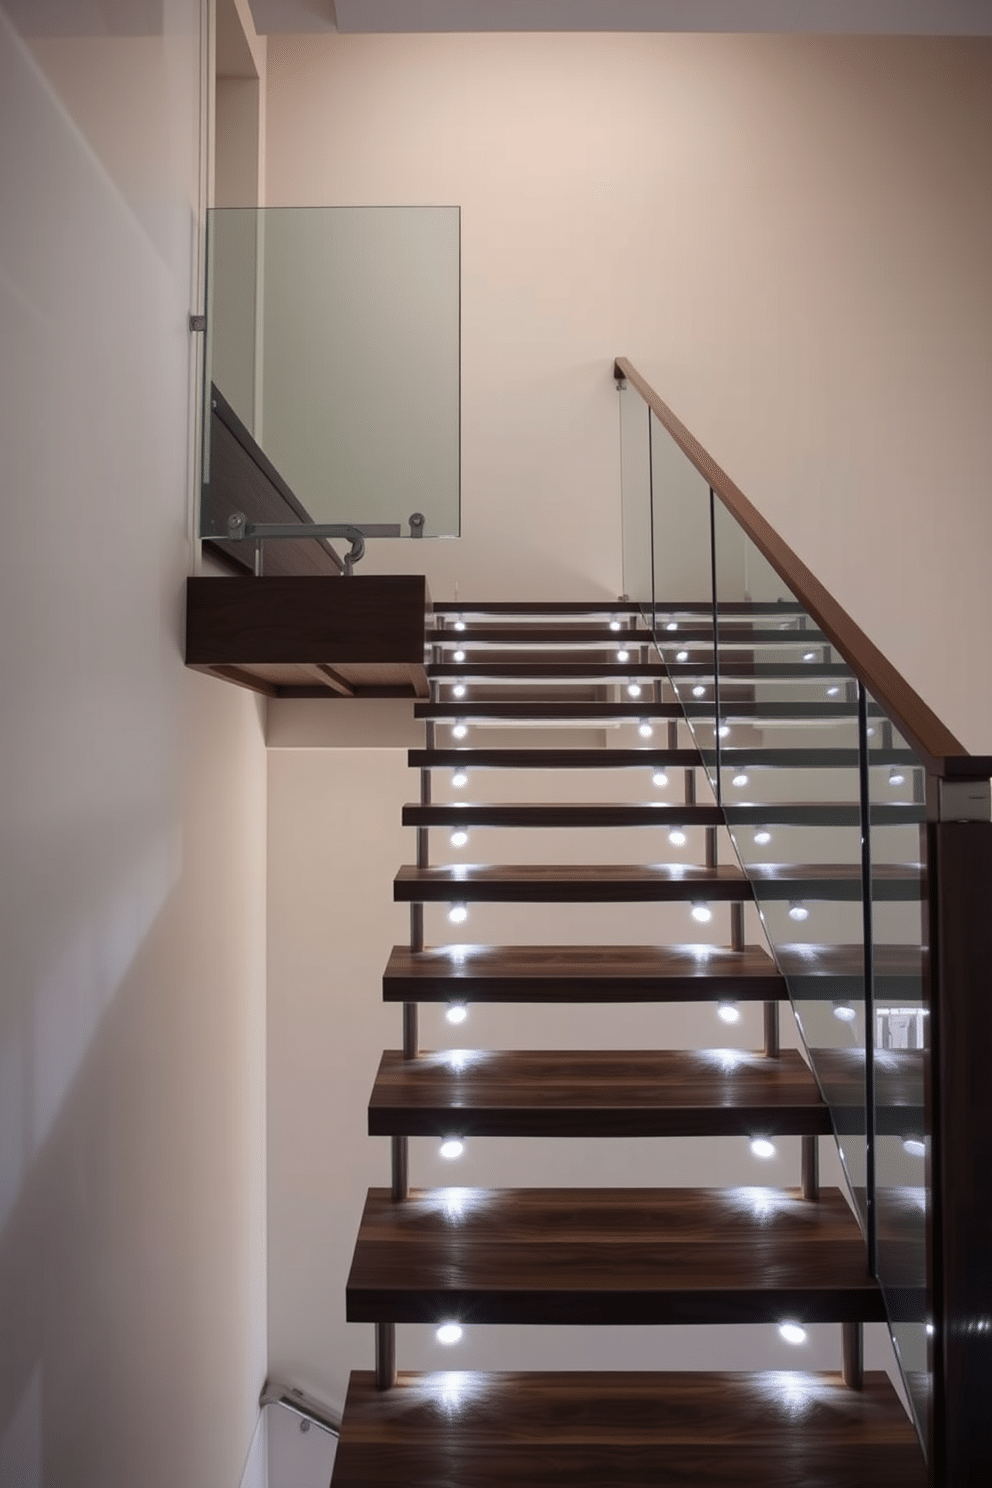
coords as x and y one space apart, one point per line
787 234
132 1250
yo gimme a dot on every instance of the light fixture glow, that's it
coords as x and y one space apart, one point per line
929 1330
723 730
792 1333
457 1012
672 625
645 730
701 913
459 655
660 779
623 655
728 1012
809 656
633 689
459 731
459 624
896 777
762 836
614 624
740 778
452 1147
677 837
459 837
798 912
448 1333
699 691
761 1147
458 914
845 1012
682 656
833 692
914 1147
460 778
458 690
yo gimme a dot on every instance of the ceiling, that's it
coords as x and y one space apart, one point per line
905 17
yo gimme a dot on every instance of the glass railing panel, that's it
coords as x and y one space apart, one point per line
635 498
790 787
333 336
901 1029
683 588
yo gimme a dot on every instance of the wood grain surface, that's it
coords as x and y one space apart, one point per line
595 1256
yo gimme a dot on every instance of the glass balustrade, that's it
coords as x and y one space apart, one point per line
823 800
333 357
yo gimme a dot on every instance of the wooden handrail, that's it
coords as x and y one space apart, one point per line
938 748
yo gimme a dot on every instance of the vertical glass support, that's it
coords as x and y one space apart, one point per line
718 783
871 1233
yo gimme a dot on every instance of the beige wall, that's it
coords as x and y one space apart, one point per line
132 1246
790 237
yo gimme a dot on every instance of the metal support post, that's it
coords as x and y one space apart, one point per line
400 1164
673 733
772 1046
711 847
385 1356
853 1351
411 1039
690 787
737 926
810 1180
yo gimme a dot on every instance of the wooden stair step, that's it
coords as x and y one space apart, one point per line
577 1429
596 712
553 759
654 814
636 883
741 757
595 1093
538 635
610 1256
581 973
588 814
568 883
549 671
609 610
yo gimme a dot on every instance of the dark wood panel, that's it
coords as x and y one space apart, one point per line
550 671
944 754
594 1256
960 1100
375 618
601 883
581 973
569 883
596 712
597 1093
539 635
775 1429
592 814
552 759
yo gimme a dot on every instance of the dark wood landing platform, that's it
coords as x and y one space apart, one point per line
591 1256
581 973
597 1093
652 814
311 636
781 1429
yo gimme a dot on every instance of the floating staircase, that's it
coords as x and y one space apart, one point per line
602 1256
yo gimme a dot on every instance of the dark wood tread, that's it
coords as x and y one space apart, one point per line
539 635
581 973
595 712
775 1429
899 1089
630 883
549 671
595 1093
653 814
590 814
568 883
621 1256
553 759
609 610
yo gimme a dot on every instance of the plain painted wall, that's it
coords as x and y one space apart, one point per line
132 1021
789 235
